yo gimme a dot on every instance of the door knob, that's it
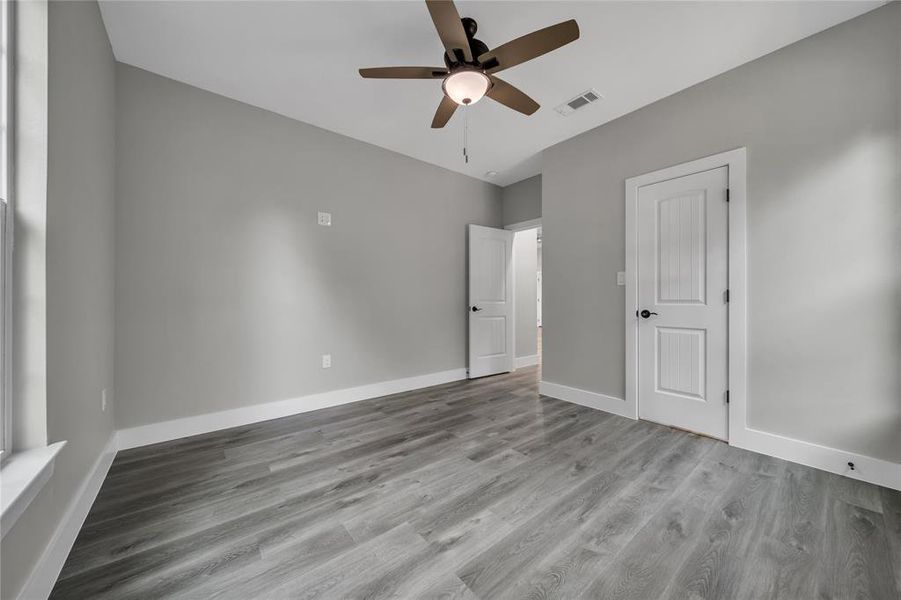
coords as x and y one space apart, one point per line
646 314
476 309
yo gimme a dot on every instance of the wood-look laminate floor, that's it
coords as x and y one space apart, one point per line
477 489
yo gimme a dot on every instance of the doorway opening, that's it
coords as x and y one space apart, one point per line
504 308
527 295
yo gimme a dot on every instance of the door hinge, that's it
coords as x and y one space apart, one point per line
727 396
726 294
727 194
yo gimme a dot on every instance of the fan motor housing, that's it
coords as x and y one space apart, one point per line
476 47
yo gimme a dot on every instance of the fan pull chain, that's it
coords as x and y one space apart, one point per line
466 134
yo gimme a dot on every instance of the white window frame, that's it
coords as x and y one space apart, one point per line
7 220
24 470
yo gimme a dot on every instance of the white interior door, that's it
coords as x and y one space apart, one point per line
490 301
682 302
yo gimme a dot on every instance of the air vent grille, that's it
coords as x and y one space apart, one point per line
580 101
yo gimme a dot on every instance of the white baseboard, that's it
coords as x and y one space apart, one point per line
42 579
866 468
594 400
525 361
178 428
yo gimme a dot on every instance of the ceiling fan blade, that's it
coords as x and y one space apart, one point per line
530 46
511 97
404 72
444 113
450 28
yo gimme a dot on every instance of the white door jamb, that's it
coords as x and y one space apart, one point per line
736 161
524 225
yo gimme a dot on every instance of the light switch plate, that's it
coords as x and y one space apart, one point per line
325 219
620 278
326 361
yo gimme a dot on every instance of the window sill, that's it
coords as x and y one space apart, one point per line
21 478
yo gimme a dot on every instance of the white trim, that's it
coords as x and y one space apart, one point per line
866 468
524 225
188 426
593 400
736 161
45 573
525 361
6 254
21 478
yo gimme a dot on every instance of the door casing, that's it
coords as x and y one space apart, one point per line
736 161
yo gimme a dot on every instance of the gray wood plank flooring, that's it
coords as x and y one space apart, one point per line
476 490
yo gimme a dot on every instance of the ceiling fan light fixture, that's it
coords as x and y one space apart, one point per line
466 87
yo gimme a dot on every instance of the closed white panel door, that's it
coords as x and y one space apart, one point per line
682 302
490 301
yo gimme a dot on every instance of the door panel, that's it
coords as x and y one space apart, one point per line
681 252
682 279
681 361
490 301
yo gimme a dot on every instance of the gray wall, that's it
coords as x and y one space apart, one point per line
522 200
79 270
820 120
227 291
525 293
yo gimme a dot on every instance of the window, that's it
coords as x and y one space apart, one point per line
6 226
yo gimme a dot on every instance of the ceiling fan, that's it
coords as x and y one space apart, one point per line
470 66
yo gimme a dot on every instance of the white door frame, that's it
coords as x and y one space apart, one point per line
736 161
524 225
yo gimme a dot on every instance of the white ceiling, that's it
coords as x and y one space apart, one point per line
300 59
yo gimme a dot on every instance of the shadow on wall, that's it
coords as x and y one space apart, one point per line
827 272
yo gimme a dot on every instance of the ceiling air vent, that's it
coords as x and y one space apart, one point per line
580 101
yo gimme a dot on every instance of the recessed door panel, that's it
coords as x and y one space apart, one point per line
681 362
491 270
682 248
491 337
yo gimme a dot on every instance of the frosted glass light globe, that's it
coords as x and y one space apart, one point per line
466 87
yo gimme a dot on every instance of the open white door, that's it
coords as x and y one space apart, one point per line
490 301
682 302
